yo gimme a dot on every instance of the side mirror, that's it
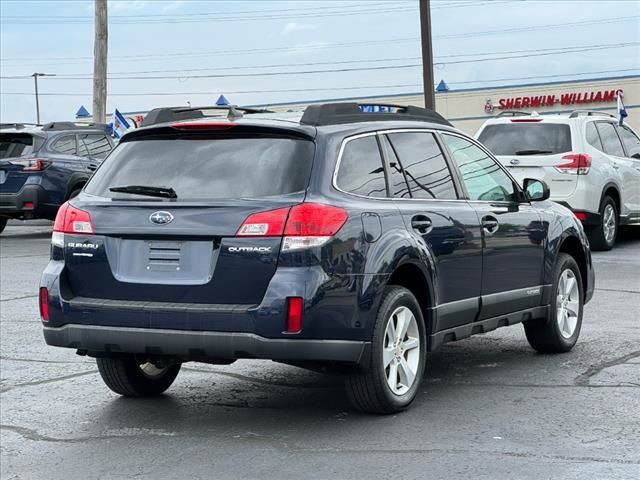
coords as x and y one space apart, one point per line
536 190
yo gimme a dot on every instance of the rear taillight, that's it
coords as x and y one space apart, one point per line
70 219
576 164
303 226
295 306
31 164
44 304
582 216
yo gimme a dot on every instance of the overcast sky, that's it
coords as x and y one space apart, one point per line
217 39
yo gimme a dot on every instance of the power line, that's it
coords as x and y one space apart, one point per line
359 87
142 57
333 70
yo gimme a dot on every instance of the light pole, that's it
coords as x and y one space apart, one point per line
35 80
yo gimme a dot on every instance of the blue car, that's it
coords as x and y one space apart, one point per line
338 239
41 167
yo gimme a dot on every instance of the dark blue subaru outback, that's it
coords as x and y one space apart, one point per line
340 240
42 166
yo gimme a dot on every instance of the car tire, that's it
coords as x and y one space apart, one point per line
128 376
382 387
603 236
74 193
559 333
3 223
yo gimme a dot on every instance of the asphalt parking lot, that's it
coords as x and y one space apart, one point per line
490 406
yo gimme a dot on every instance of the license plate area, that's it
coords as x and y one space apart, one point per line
162 262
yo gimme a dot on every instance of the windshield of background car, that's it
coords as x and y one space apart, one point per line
207 168
15 145
511 138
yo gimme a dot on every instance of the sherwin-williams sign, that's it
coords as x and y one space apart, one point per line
581 98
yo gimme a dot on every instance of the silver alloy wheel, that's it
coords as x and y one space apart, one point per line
401 350
567 303
609 223
151 371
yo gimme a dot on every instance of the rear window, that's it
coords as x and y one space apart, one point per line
527 138
208 168
15 145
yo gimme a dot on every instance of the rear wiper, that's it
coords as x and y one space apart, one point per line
164 192
532 152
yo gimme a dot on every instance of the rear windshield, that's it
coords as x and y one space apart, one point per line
527 138
15 145
209 168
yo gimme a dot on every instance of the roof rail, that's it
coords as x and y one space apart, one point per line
173 114
337 113
18 126
589 113
57 126
513 113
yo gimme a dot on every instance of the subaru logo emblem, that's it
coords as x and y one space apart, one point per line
161 218
514 161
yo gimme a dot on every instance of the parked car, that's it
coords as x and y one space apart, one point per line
591 163
41 167
344 241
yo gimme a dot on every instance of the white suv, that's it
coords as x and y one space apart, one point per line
591 164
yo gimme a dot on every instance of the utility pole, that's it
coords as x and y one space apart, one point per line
35 81
427 54
100 62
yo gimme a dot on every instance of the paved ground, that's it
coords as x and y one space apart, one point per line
490 408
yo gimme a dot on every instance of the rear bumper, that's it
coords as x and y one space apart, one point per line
194 345
587 218
16 205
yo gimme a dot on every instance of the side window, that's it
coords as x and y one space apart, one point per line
610 140
482 176
630 141
592 136
423 164
361 171
94 146
65 145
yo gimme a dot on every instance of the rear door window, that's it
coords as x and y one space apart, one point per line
361 171
610 140
93 146
527 138
208 168
423 164
592 136
16 145
630 140
65 145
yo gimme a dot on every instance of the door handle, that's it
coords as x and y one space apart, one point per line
92 167
490 224
421 223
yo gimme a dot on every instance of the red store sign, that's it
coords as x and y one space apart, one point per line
581 98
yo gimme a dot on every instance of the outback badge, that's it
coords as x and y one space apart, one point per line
161 218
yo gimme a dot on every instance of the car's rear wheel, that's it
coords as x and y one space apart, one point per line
603 236
134 377
561 330
3 223
398 356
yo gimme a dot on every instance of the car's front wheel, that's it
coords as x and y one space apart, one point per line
561 330
133 377
398 356
3 223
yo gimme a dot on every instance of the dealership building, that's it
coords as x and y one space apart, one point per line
469 108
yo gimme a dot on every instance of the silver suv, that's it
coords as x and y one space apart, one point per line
591 164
